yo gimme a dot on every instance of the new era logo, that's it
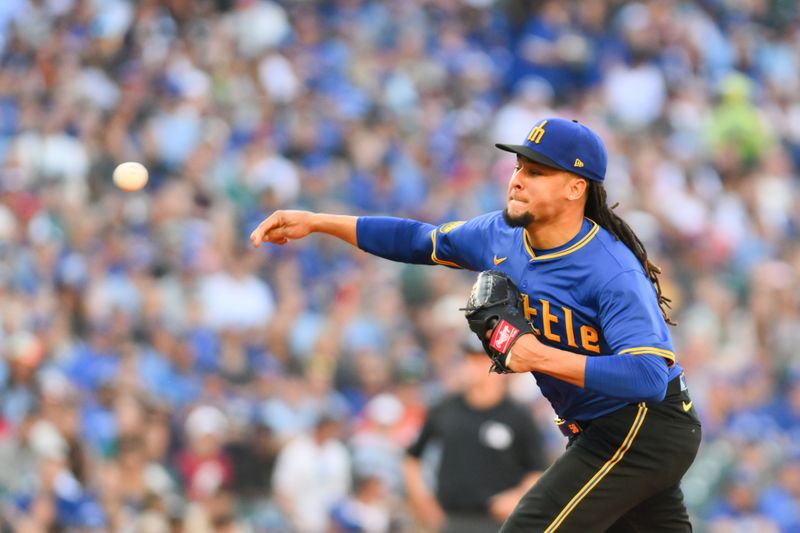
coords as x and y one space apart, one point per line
578 163
504 334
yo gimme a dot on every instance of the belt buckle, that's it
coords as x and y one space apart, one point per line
568 428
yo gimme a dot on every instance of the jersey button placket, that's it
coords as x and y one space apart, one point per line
524 284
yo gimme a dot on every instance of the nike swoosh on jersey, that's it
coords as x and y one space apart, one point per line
687 406
498 261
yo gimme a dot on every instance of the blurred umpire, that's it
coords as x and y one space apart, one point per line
491 452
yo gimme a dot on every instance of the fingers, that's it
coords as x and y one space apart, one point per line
265 232
256 237
280 227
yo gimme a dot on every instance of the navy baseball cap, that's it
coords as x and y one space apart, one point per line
566 145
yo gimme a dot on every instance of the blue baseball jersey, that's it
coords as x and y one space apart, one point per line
589 296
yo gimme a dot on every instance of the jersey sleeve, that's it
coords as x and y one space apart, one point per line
458 244
631 319
462 244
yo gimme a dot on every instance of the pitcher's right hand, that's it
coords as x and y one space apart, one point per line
282 226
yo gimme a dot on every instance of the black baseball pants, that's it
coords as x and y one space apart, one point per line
620 474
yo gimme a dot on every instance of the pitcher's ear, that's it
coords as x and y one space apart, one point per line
577 188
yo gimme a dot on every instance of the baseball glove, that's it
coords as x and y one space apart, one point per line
495 306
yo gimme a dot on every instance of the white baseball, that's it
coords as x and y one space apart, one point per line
130 176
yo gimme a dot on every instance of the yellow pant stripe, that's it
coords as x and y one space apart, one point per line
616 458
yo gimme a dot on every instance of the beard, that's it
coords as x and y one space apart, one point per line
519 221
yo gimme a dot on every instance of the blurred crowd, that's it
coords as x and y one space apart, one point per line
158 375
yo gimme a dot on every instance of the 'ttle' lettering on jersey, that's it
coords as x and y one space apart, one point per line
558 325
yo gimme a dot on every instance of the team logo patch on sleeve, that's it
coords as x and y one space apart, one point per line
450 226
504 334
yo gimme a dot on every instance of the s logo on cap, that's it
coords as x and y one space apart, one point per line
536 134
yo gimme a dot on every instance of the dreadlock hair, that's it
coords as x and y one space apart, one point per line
598 210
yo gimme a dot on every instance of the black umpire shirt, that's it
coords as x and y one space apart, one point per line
483 452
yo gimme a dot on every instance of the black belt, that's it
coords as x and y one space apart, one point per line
570 428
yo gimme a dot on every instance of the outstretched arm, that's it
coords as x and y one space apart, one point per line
459 244
398 239
283 226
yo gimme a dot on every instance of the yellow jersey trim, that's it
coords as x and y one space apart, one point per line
639 350
606 468
527 244
577 246
433 253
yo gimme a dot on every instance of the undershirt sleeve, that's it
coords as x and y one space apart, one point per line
397 239
634 378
